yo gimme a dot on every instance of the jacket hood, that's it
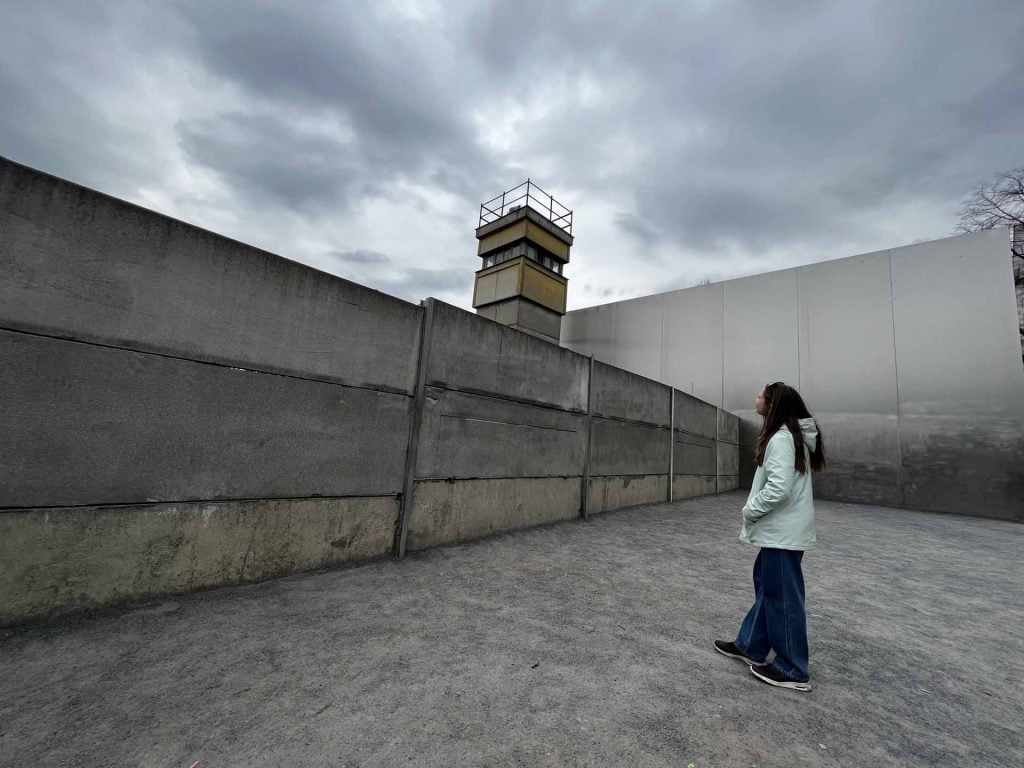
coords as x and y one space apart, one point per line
810 431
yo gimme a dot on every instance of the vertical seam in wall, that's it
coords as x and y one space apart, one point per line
896 371
721 399
613 358
412 450
718 445
585 480
661 369
799 355
671 439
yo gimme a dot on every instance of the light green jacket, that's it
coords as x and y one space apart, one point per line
779 512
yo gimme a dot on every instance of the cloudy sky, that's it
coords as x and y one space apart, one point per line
693 139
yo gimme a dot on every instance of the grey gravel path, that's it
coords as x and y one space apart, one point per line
582 644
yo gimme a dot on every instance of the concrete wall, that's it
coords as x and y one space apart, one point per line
505 434
503 439
909 358
181 411
630 446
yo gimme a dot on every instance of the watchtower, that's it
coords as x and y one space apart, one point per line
525 236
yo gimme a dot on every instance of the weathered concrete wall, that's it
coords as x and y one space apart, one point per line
696 445
60 559
910 359
503 437
181 411
472 436
728 451
97 425
444 511
630 441
471 354
79 264
617 491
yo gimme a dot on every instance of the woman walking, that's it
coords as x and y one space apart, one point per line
779 518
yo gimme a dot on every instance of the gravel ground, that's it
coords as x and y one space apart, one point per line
581 644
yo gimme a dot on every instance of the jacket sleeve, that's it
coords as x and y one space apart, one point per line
780 470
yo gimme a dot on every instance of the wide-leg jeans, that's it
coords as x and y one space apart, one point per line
777 620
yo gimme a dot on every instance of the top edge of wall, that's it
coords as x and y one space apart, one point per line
1004 232
87 266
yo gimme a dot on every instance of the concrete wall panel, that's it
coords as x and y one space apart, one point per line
472 354
622 448
57 561
965 465
692 341
591 332
620 394
695 455
472 436
760 336
728 427
688 486
445 512
82 265
750 427
728 459
728 483
847 350
695 416
95 425
638 335
863 451
615 492
957 341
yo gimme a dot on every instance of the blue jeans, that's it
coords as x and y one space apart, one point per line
777 621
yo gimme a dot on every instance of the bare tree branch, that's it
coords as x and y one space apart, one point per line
999 202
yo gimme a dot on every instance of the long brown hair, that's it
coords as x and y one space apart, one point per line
784 408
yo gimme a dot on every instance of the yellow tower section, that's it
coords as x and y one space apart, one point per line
525 236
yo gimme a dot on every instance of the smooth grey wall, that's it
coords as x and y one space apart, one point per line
909 358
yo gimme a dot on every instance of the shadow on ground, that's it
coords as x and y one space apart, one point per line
577 644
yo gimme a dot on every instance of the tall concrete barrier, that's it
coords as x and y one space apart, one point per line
728 451
909 358
695 429
181 411
631 441
503 437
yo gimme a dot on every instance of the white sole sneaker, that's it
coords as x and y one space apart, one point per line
793 685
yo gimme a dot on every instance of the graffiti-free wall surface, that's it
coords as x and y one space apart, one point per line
909 357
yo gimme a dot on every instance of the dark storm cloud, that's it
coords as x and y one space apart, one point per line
757 123
701 127
381 79
267 159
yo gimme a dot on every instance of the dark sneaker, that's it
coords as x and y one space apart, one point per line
730 650
773 676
